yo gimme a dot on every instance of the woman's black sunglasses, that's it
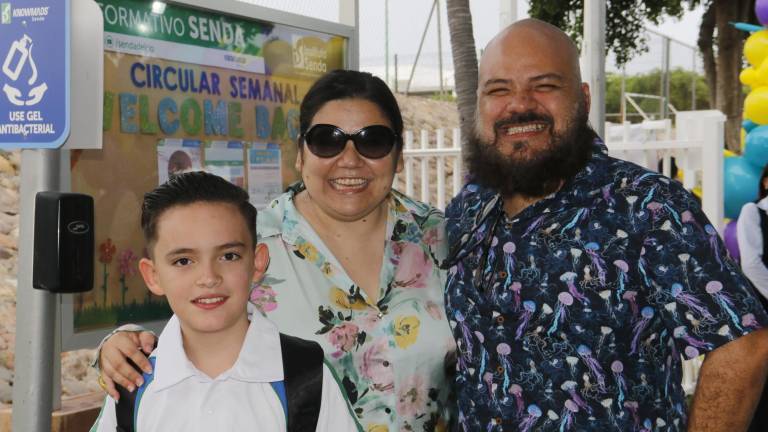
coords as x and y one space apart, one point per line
372 142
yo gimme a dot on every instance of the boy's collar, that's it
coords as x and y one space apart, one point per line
260 359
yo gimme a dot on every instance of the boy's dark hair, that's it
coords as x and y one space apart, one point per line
348 84
189 188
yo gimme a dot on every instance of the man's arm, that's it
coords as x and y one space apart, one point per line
730 384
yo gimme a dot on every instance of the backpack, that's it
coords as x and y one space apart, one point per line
300 391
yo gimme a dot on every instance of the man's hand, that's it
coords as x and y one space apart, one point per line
114 364
730 384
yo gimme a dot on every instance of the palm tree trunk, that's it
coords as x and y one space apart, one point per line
707 48
464 65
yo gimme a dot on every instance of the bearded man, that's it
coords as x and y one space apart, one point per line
576 280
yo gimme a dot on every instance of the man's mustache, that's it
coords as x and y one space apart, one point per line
526 117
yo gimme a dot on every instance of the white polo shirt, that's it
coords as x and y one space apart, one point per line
181 398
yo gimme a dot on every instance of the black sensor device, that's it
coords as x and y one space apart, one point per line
64 242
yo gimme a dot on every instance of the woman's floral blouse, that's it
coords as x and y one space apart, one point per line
395 358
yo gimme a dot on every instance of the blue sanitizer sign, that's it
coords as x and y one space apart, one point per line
34 73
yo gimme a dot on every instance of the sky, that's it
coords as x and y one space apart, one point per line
407 20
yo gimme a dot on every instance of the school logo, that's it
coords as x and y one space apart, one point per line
5 13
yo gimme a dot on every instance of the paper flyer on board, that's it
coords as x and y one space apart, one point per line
264 174
225 159
176 156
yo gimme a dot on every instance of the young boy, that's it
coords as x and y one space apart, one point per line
214 370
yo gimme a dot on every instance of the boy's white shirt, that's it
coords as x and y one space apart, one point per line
180 397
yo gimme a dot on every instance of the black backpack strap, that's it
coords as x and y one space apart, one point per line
126 406
303 370
764 230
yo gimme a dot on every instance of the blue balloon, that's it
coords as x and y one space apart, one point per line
740 179
756 147
748 125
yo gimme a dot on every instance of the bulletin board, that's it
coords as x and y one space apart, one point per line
188 89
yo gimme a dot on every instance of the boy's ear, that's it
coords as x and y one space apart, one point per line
147 270
260 261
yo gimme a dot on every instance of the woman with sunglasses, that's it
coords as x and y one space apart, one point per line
354 264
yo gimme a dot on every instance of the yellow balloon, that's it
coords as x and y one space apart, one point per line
756 105
756 47
749 76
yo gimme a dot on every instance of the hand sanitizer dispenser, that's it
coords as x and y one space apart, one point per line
64 242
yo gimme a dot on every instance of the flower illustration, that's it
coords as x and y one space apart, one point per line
264 298
376 367
377 427
344 300
307 251
434 310
126 265
406 330
412 397
106 252
414 266
344 336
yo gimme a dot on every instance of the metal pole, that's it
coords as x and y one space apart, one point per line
421 45
623 106
439 47
693 82
35 309
594 53
349 14
665 48
395 73
386 41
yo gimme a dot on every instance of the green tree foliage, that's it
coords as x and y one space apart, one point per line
624 20
650 83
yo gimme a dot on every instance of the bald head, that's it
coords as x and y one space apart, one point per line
532 36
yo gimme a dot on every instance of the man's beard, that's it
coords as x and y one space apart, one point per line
541 173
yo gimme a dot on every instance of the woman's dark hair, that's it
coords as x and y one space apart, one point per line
348 84
761 187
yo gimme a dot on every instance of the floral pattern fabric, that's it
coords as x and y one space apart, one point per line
394 358
573 315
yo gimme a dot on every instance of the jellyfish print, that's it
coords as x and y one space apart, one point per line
687 217
490 386
591 248
713 243
575 257
594 366
566 418
503 350
749 321
631 296
574 221
568 278
715 289
534 413
563 301
516 287
622 267
535 225
674 214
466 337
689 300
517 392
631 199
604 332
641 267
608 405
607 195
655 209
529 307
646 316
509 249
632 407
570 388
617 367
682 333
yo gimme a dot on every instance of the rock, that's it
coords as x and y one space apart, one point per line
8 222
6 392
5 165
9 200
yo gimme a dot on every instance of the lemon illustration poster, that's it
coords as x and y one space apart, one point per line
185 76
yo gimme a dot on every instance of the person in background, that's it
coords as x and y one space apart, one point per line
751 235
354 264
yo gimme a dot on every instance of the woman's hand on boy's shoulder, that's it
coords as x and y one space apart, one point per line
114 355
